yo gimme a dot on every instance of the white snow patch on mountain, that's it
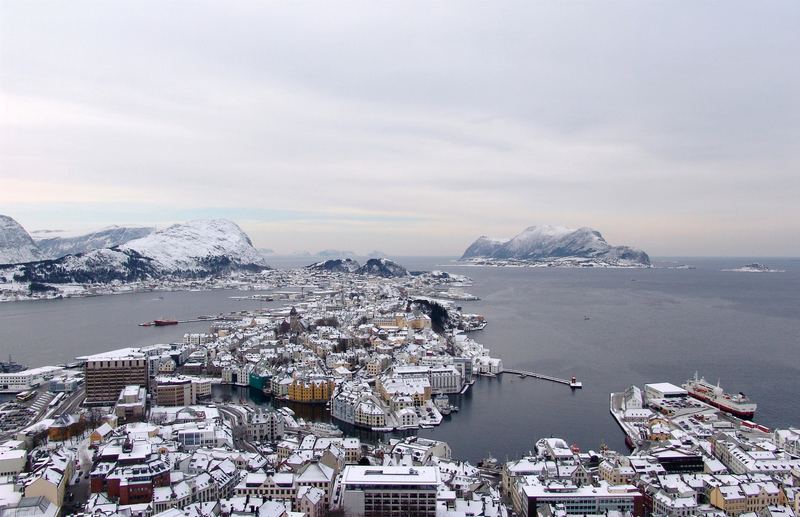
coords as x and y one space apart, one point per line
56 243
16 246
183 247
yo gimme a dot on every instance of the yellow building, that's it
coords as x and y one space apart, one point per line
615 472
52 478
746 498
311 389
414 320
658 429
416 388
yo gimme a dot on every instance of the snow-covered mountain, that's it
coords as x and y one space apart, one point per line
196 245
382 267
483 247
191 250
53 247
347 265
558 244
16 246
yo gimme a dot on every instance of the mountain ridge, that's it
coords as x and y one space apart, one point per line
61 246
195 249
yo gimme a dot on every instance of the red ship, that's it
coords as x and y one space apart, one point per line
738 405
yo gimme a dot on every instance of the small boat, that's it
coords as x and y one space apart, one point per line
522 376
146 324
586 318
164 323
488 462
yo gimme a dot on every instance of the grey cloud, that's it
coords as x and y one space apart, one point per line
599 111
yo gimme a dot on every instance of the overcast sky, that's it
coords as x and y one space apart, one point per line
408 127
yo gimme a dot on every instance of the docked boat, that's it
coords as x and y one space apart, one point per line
164 323
442 404
488 462
736 404
11 366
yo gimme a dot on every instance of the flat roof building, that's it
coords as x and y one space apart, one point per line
389 491
588 499
663 390
108 373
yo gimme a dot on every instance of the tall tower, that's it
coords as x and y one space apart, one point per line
294 320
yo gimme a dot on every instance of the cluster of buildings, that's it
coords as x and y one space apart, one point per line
691 458
156 436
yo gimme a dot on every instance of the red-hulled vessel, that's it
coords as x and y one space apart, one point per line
737 405
164 323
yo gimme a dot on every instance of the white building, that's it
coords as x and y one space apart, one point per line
264 425
663 390
22 381
389 491
485 364
442 379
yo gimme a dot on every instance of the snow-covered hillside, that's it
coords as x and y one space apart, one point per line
16 246
545 242
382 267
53 247
194 245
483 247
192 250
347 265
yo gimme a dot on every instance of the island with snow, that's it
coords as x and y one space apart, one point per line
554 246
200 254
120 260
755 267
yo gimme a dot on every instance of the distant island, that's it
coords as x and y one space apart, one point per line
554 246
373 267
755 267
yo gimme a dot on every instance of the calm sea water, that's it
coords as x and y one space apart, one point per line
644 326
